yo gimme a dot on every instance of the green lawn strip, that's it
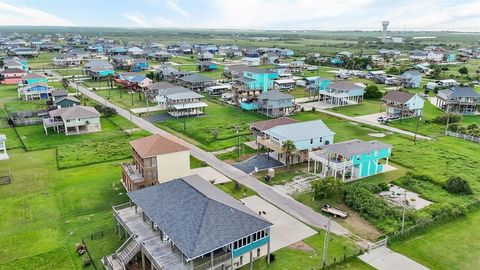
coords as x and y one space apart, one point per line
426 126
34 137
91 152
296 259
58 258
196 163
237 193
23 105
282 174
245 151
220 117
13 141
121 97
449 246
368 106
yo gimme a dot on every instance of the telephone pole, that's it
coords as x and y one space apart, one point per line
325 243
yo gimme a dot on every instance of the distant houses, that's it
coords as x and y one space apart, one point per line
196 82
411 79
275 104
12 75
342 93
461 100
34 90
252 83
403 104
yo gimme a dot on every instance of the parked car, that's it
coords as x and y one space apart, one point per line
393 117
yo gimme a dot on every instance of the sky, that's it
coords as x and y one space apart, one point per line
413 15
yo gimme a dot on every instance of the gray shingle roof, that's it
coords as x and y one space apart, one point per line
75 112
458 92
194 78
344 85
355 147
274 95
197 216
398 96
300 131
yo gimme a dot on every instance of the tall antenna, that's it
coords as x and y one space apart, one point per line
384 31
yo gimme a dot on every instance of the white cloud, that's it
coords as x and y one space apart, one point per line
137 18
163 23
11 14
173 5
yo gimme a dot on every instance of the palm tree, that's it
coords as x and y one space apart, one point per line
289 148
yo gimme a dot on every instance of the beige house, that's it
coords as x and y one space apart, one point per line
156 159
73 120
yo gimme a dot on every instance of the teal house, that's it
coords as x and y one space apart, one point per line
32 78
350 160
254 82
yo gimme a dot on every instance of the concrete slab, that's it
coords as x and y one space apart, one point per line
149 109
383 258
251 144
318 105
396 195
210 174
286 230
261 162
371 117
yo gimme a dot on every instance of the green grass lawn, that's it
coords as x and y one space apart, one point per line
450 246
123 98
34 137
95 84
44 212
368 106
44 60
298 92
221 117
240 193
296 259
282 174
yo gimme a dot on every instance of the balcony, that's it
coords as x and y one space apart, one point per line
268 143
132 172
324 157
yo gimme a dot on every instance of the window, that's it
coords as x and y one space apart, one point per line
321 139
241 260
311 141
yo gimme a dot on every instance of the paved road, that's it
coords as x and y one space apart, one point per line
371 123
383 258
284 202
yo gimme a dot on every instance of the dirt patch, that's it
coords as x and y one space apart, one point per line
358 225
130 131
301 246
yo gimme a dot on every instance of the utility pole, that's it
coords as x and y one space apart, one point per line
448 119
238 140
325 243
404 210
416 130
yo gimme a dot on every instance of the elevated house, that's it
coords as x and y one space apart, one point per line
136 52
61 99
204 66
171 73
73 120
12 75
205 229
306 136
196 82
181 103
153 160
35 90
234 71
251 84
285 84
98 69
342 93
163 56
205 56
251 61
73 57
275 104
155 89
318 86
217 90
31 78
258 128
23 52
411 79
403 104
418 56
461 100
350 160
15 62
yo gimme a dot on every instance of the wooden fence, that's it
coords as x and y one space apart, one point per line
463 136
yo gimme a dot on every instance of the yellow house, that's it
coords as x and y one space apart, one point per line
156 159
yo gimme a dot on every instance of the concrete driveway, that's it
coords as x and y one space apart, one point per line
286 230
372 117
383 258
261 162
210 174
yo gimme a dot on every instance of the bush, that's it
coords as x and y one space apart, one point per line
453 118
272 257
105 111
458 185
372 92
325 188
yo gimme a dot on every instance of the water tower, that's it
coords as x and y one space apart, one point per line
384 31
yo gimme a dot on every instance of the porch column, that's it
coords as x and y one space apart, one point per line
368 171
308 167
251 260
231 257
143 261
376 166
343 175
211 259
126 234
386 163
315 167
268 252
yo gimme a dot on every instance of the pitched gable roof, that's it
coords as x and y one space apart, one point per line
268 124
196 78
75 112
398 96
156 145
201 218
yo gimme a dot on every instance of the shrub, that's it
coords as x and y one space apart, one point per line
105 111
453 118
458 185
325 188
372 92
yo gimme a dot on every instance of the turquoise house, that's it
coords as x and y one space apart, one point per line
32 78
336 61
259 79
452 57
351 160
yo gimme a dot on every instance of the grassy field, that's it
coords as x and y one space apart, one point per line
220 117
44 212
368 106
123 98
237 193
296 259
451 246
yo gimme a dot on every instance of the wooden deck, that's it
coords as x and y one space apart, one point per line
159 252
